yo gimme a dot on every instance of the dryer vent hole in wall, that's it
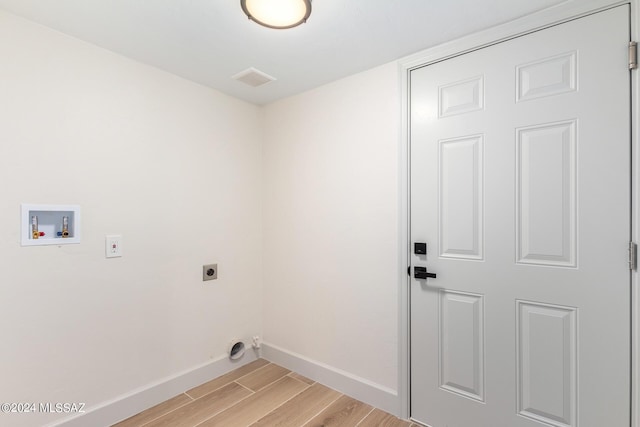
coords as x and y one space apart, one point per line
236 350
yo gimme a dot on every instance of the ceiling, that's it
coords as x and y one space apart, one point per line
209 41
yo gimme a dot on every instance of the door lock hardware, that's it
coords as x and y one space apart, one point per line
420 248
422 273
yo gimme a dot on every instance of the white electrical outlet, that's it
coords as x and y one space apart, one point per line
113 246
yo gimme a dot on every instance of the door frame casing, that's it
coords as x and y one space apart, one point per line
540 20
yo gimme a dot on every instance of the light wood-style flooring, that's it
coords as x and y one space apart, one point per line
263 394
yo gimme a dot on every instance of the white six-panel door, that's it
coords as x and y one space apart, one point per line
520 176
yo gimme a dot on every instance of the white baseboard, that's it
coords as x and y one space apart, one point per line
127 405
136 401
359 388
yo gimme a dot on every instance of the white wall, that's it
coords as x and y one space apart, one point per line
331 225
182 173
172 166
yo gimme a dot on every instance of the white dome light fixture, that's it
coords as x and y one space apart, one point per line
278 14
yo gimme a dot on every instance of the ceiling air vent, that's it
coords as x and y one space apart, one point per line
253 77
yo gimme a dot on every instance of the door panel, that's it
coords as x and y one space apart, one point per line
546 194
461 172
462 344
547 363
520 186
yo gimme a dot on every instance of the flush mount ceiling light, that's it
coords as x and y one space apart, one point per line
279 14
